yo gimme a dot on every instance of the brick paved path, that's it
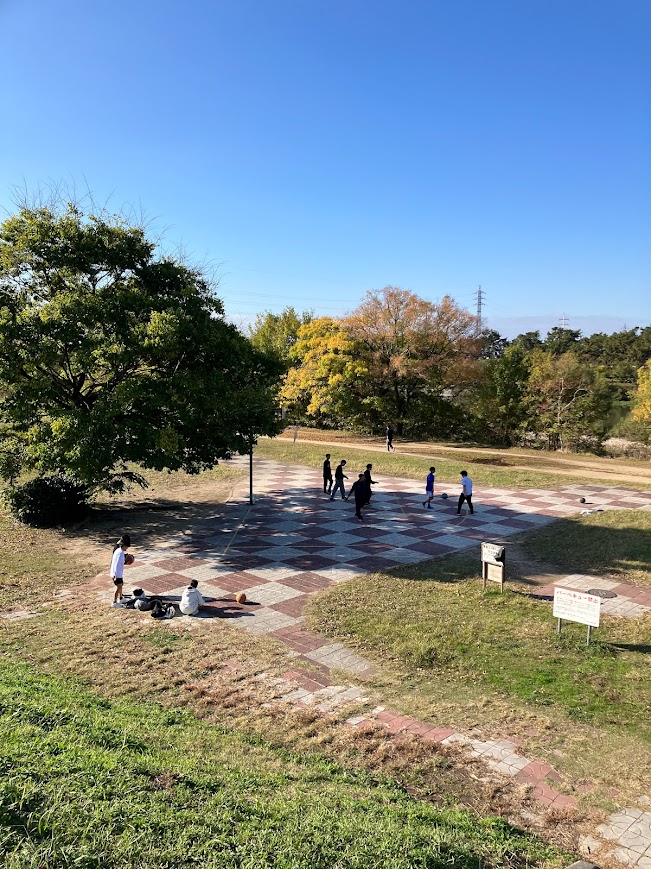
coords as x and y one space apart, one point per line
294 541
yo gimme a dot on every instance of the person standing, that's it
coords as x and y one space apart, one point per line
369 483
390 446
466 492
359 490
117 567
339 480
327 475
429 488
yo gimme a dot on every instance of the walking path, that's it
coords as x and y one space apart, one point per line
294 541
561 464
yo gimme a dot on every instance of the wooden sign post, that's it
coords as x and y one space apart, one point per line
493 564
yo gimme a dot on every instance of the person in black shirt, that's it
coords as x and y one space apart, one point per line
359 490
327 475
390 446
339 480
369 482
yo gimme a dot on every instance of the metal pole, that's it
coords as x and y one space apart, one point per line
251 470
589 633
560 622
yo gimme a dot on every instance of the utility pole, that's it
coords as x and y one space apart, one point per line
481 297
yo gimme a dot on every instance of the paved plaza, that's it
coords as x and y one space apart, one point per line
294 541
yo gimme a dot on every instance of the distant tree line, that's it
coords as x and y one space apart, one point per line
424 367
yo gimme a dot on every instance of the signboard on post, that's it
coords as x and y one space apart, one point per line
576 606
493 563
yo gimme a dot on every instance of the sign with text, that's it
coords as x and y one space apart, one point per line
492 553
576 606
493 563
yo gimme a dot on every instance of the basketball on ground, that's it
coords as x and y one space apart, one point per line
240 597
444 496
582 500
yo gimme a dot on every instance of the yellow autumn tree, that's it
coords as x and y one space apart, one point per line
325 386
642 410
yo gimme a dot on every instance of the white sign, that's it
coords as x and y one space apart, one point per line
576 606
492 553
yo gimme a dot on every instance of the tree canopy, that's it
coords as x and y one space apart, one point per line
276 334
111 353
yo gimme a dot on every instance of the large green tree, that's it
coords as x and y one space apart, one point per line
567 401
497 402
111 353
276 334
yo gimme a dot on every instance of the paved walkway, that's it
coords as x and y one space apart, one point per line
294 541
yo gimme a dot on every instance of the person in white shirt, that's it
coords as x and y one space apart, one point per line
466 492
191 599
117 567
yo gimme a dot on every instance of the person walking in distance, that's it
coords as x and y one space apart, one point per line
360 491
369 482
327 475
466 492
339 480
390 446
429 488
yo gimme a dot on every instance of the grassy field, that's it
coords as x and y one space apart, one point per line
446 648
614 543
487 471
94 783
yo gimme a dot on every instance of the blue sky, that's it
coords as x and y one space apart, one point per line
316 150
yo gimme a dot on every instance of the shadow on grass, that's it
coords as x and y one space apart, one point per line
613 542
631 647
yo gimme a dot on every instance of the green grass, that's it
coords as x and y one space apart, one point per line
434 623
615 543
89 782
484 472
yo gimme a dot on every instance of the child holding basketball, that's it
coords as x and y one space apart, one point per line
117 567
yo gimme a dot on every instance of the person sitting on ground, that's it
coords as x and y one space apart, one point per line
191 600
140 600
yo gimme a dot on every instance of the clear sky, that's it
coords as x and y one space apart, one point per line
316 150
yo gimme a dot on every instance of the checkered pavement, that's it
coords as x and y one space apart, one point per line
294 541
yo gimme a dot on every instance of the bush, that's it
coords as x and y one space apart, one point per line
48 501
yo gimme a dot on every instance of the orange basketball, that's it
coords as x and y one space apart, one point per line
240 597
129 559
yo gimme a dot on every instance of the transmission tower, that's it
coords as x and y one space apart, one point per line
564 322
481 297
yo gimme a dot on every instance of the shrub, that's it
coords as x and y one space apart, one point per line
48 501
